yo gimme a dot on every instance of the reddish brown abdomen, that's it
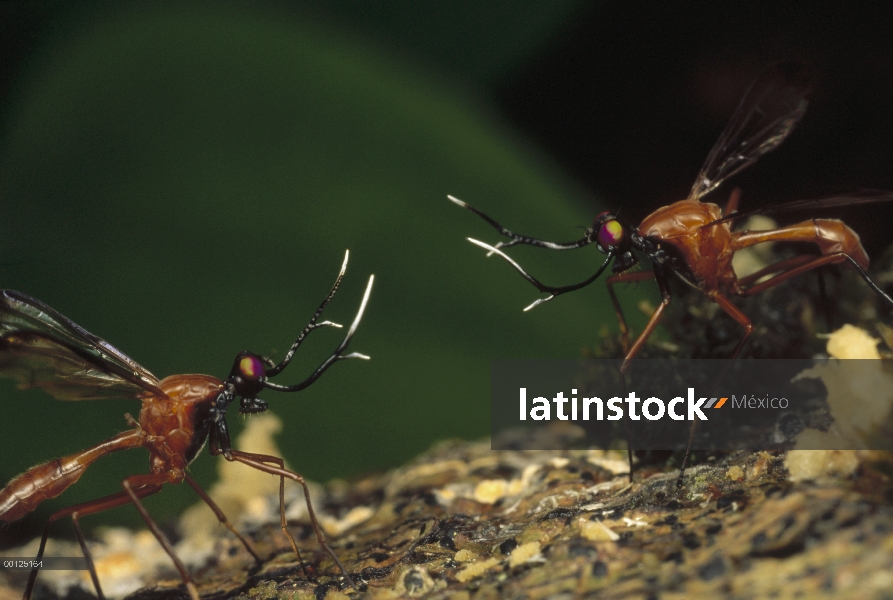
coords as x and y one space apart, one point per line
25 492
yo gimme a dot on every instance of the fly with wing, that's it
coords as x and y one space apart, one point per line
41 348
694 240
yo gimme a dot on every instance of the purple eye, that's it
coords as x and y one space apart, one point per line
610 234
251 368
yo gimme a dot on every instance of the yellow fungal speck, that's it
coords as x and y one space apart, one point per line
596 531
524 553
735 473
490 490
476 569
464 556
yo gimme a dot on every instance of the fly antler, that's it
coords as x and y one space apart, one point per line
523 239
547 289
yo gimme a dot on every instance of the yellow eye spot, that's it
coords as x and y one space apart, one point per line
611 233
251 367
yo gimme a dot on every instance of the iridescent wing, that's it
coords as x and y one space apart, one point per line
772 106
850 199
41 348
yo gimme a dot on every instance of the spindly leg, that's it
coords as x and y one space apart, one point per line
837 242
258 461
82 510
782 265
742 319
283 523
815 263
220 516
132 485
739 316
785 265
624 278
656 316
640 341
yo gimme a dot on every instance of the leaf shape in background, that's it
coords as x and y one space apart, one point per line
185 179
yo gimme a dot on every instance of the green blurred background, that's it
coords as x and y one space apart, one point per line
182 179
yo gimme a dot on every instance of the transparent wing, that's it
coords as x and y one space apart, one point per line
772 106
41 348
849 199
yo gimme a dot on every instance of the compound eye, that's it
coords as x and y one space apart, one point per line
251 368
610 234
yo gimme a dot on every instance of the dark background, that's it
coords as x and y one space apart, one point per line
183 182
652 86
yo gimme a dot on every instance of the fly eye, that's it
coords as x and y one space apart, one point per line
610 234
251 368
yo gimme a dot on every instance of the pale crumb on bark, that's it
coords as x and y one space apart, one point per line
596 531
525 553
735 473
476 569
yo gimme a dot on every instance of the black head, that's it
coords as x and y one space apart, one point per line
607 232
615 239
251 373
246 379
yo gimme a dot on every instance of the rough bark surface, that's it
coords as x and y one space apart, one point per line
462 521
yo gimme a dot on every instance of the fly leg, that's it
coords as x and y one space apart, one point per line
656 316
830 235
745 322
82 510
837 242
624 278
786 265
739 316
220 516
259 462
283 524
782 265
132 485
815 263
